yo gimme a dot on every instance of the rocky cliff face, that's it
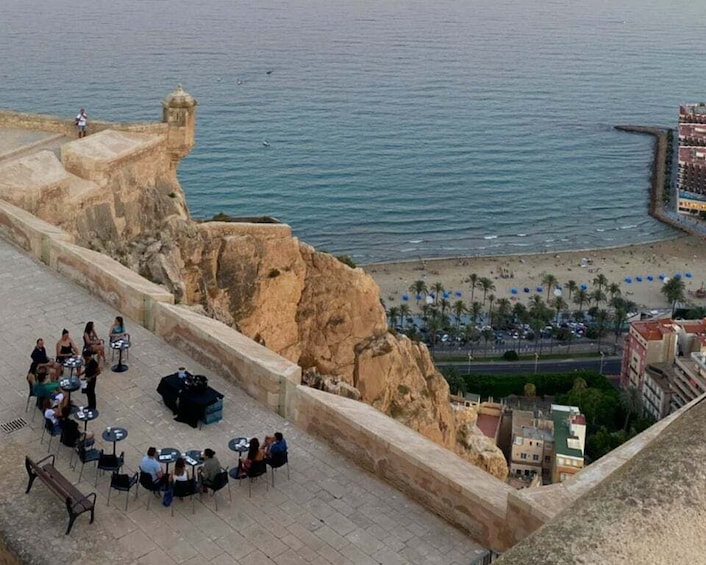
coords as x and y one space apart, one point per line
305 305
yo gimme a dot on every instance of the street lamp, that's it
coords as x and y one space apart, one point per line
536 360
470 358
602 359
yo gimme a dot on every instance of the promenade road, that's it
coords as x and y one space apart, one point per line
331 511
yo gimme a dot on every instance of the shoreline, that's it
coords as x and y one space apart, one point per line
682 254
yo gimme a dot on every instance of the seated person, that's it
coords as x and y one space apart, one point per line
117 330
65 347
92 342
150 465
53 414
44 387
275 444
180 470
254 454
72 434
40 360
210 468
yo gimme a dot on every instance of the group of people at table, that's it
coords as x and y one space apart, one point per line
211 465
45 374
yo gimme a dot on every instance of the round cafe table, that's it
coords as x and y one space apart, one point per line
85 415
114 435
120 345
72 363
168 455
239 445
193 457
69 385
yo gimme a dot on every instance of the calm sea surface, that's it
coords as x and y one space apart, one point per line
395 129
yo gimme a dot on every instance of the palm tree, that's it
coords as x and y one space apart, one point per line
504 307
427 311
419 288
487 336
445 305
614 290
673 291
405 312
631 401
459 309
600 281
581 298
550 282
473 279
437 288
491 299
559 305
486 285
476 309
597 296
602 318
536 307
571 286
393 313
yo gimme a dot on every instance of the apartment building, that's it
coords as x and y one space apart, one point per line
532 449
691 173
569 441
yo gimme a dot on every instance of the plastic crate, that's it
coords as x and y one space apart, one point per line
213 417
215 407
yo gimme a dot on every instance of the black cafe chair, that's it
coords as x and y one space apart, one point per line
122 482
52 431
257 469
182 489
149 485
85 456
219 481
109 462
277 460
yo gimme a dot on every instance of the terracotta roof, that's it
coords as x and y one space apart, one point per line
488 424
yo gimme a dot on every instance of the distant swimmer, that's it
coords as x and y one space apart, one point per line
269 72
240 81
266 143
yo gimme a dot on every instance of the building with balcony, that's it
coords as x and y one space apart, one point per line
532 449
692 113
691 173
657 390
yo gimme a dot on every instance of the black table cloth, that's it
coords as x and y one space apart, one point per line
188 404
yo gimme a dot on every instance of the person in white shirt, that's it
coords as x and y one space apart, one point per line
81 122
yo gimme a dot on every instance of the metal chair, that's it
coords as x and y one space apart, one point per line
148 484
183 489
219 481
277 460
109 462
52 431
257 469
85 456
123 483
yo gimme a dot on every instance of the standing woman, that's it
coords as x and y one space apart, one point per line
92 343
90 374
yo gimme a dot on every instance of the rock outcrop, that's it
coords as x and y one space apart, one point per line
121 197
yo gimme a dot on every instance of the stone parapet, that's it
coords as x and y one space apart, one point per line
460 492
262 373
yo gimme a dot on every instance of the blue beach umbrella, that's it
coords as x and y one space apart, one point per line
638 279
558 287
418 297
433 296
687 275
446 295
513 290
458 293
628 280
540 289
405 297
650 278
526 289
662 276
677 276
584 286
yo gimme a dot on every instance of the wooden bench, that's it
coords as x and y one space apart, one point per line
76 502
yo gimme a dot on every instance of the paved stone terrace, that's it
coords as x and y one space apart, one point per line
330 511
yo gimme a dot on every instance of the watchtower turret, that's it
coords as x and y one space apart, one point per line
179 112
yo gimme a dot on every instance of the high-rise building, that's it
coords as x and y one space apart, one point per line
691 175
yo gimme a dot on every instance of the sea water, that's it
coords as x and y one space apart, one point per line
384 129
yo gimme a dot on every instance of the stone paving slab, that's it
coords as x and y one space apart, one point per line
329 511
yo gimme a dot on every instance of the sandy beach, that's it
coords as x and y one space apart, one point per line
685 254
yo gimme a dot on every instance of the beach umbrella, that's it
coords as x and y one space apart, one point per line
687 275
446 294
661 276
628 280
558 287
458 293
513 290
650 278
557 292
432 296
584 286
540 289
526 289
638 279
418 297
405 297
430 299
677 276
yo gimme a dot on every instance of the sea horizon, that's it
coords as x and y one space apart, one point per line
384 131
